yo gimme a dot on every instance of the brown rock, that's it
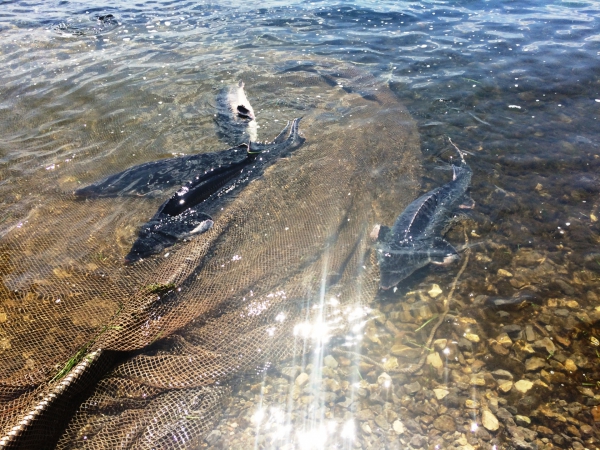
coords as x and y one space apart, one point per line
382 422
565 342
499 349
596 413
445 423
364 414
586 429
489 421
544 430
405 351
534 363
545 345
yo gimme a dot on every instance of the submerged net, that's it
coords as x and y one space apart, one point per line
96 354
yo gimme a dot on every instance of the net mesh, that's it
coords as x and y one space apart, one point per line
93 357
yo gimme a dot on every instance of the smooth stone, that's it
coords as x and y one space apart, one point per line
307 399
561 312
382 423
440 344
434 360
391 363
499 349
366 428
524 433
290 372
384 380
586 429
434 291
445 423
502 374
364 414
472 337
440 393
412 388
570 365
328 372
513 330
477 380
465 345
534 363
472 404
331 385
529 333
404 351
398 427
302 379
330 361
504 273
418 441
545 344
522 420
565 287
489 421
523 386
504 340
505 386
545 430
596 413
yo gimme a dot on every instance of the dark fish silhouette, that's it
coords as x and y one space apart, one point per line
237 125
89 26
416 239
188 211
235 119
153 178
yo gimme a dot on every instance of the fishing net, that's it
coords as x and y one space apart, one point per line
97 354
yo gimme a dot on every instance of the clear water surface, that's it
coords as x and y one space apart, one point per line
514 83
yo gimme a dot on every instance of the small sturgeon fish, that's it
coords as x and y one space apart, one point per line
416 239
188 211
235 119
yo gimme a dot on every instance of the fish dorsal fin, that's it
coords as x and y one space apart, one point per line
416 217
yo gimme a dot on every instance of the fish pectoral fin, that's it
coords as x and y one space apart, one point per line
203 227
203 222
466 203
442 252
379 233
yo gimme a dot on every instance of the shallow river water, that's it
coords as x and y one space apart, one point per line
500 349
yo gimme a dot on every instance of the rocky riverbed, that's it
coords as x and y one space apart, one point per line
516 371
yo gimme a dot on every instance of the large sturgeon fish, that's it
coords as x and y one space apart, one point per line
188 212
151 179
237 125
416 239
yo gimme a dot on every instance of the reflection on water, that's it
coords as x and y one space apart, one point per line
513 363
